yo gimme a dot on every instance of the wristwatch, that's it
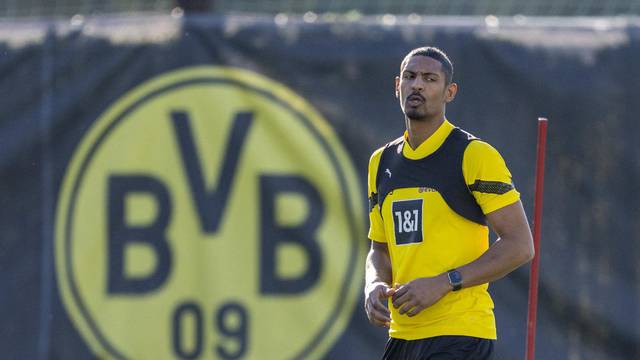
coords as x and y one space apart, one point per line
455 279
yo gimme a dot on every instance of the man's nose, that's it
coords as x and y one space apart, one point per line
417 85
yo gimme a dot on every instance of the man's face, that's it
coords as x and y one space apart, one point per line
422 90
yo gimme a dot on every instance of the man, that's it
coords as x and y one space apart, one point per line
432 193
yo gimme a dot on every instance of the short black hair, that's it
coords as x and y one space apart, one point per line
434 53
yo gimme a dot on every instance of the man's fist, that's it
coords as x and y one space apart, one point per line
375 299
419 294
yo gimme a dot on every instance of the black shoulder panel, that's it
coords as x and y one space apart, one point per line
441 170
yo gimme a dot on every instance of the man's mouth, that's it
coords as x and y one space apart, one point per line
415 100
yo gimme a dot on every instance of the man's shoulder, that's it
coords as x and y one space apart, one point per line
476 149
481 152
375 156
480 148
475 145
464 135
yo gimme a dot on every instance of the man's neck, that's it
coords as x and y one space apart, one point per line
421 130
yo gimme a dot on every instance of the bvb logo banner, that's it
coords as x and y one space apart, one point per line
210 213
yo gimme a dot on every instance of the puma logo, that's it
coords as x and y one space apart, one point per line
388 172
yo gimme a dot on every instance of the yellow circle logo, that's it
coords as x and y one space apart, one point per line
210 213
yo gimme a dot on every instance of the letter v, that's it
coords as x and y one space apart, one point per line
210 204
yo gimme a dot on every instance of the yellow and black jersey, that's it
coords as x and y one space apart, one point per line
429 204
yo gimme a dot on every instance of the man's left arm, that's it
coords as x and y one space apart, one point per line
513 248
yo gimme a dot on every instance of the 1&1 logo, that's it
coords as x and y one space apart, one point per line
210 213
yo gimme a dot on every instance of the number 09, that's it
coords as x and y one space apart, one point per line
231 321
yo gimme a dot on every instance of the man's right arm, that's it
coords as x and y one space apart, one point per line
377 289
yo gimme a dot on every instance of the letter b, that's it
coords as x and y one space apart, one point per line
121 234
302 235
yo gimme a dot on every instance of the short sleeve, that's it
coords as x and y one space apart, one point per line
488 177
376 224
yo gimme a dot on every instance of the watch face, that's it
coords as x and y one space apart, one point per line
455 277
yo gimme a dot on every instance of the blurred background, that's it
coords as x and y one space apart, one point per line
187 179
33 8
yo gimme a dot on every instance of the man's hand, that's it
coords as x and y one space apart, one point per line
375 298
419 294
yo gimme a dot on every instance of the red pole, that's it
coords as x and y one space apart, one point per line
537 222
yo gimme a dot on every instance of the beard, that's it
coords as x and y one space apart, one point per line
415 114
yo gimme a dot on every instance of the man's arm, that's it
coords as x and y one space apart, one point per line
377 288
513 248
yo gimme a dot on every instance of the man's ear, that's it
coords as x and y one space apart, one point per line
397 86
451 91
